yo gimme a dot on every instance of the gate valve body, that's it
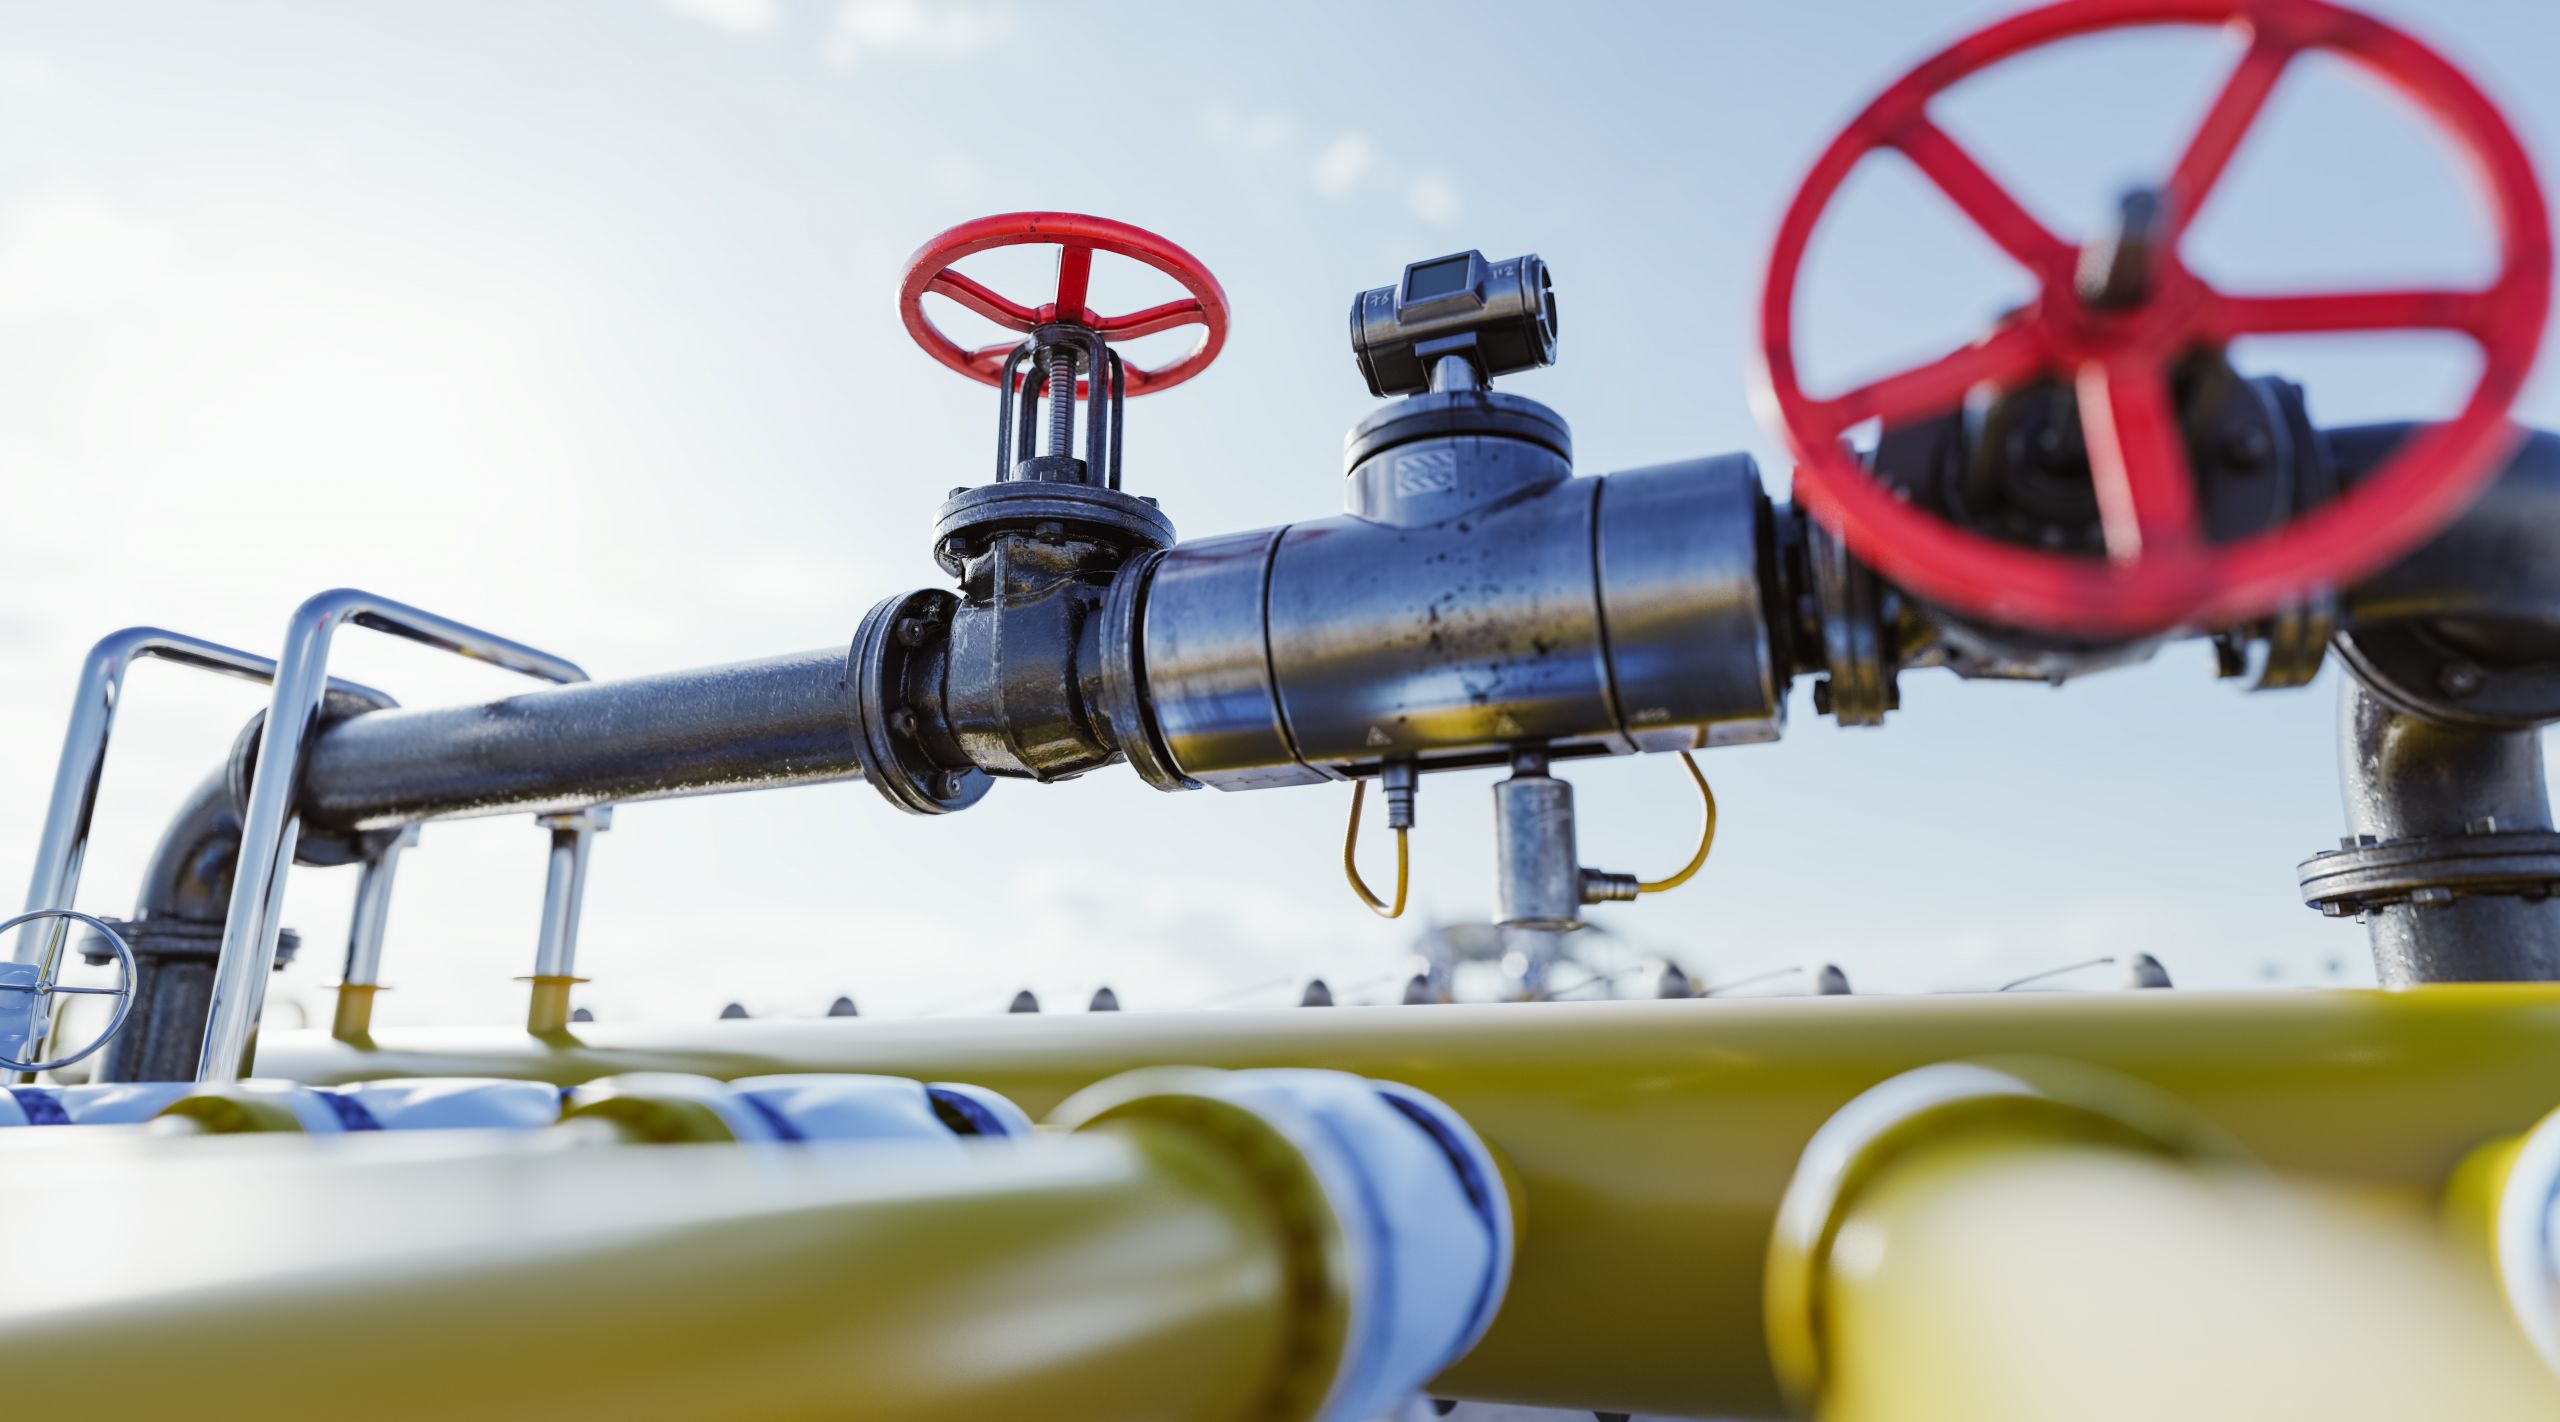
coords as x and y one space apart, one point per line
2112 321
951 689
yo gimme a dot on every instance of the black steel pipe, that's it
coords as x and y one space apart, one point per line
2406 776
2491 564
189 876
746 726
176 934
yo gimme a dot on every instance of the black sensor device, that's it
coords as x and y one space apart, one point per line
1499 316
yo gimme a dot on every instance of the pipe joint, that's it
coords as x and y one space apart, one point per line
1397 1213
1921 1110
2524 1234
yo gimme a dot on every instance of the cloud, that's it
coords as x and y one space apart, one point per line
1344 162
1351 164
952 29
736 16
1262 134
1434 199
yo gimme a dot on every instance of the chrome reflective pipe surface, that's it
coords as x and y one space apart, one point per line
1465 606
564 889
65 840
271 825
373 913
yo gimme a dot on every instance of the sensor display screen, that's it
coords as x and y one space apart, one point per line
1440 278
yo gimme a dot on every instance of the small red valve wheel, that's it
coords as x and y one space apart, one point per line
1077 238
2160 571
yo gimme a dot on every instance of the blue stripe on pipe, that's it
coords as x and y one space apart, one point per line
982 1119
40 1106
783 1129
350 1112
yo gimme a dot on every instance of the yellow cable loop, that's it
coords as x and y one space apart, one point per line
1351 862
1706 836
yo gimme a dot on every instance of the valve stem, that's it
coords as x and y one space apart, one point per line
1060 362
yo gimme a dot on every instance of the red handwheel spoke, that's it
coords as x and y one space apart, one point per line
2010 356
1972 188
1075 278
1185 312
985 302
2137 461
2420 310
2234 110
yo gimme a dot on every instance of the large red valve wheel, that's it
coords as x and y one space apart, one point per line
1077 238
2159 570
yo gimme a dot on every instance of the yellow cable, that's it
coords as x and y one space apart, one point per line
1706 836
1351 862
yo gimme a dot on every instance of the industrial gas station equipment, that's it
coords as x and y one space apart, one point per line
2097 1205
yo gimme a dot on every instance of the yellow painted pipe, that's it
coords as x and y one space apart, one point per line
231 1108
1998 1242
2010 1279
1141 1270
2503 1208
1651 1140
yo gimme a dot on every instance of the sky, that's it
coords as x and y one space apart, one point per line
576 321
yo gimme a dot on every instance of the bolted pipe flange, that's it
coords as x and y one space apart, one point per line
896 640
2365 873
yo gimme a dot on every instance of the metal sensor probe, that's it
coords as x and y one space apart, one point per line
1499 317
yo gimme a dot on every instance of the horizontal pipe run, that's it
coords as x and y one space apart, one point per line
1651 1141
1133 1275
745 726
